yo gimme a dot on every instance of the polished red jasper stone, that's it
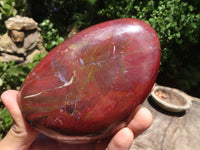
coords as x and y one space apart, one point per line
88 86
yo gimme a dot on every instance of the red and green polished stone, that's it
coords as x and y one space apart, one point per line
86 88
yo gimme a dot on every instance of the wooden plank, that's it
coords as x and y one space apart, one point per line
171 131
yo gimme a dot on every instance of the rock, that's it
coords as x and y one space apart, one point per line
23 51
87 87
32 40
22 40
21 23
29 57
17 36
7 45
5 57
171 131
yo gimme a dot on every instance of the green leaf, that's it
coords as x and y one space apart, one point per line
14 12
1 82
6 118
2 3
60 40
2 10
6 6
92 2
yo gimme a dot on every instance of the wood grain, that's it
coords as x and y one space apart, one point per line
171 131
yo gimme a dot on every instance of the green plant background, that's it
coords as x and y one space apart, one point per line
177 23
5 121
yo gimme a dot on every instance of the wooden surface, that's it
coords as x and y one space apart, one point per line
171 131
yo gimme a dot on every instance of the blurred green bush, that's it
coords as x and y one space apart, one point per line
65 14
12 74
50 35
5 121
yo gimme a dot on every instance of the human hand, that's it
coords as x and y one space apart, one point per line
22 136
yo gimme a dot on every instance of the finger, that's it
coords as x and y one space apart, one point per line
122 140
141 121
20 135
9 99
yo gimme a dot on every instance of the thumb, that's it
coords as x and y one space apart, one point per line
122 140
21 135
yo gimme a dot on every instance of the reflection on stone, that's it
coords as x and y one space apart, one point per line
91 83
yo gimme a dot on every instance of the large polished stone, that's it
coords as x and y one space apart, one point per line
87 87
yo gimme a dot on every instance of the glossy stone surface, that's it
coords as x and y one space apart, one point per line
88 86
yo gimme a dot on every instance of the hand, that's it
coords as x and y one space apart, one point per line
21 136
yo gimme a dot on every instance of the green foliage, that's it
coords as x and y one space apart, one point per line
5 122
7 8
50 34
66 14
10 8
178 25
12 75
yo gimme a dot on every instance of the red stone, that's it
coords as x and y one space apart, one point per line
88 86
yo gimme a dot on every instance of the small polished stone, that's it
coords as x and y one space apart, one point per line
87 87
